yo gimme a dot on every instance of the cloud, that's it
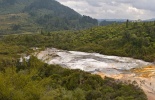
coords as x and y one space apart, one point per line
110 9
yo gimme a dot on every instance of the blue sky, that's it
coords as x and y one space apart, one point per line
110 9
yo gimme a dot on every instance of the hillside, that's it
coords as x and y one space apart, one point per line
20 16
30 30
32 79
133 39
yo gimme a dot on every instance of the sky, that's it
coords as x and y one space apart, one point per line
113 9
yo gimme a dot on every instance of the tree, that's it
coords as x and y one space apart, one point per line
127 22
16 27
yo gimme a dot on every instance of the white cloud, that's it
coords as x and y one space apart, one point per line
109 9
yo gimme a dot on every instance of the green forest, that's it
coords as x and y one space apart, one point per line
25 24
34 79
130 39
32 16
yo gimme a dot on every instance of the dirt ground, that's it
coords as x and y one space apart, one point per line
143 77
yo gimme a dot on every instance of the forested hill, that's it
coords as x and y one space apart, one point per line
32 15
35 80
17 6
132 39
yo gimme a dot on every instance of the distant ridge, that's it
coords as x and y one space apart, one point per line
152 19
117 20
34 15
124 20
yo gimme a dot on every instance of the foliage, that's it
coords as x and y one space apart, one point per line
32 16
137 41
15 27
52 82
104 22
33 79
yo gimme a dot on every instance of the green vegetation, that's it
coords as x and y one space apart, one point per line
104 22
32 16
33 79
137 40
